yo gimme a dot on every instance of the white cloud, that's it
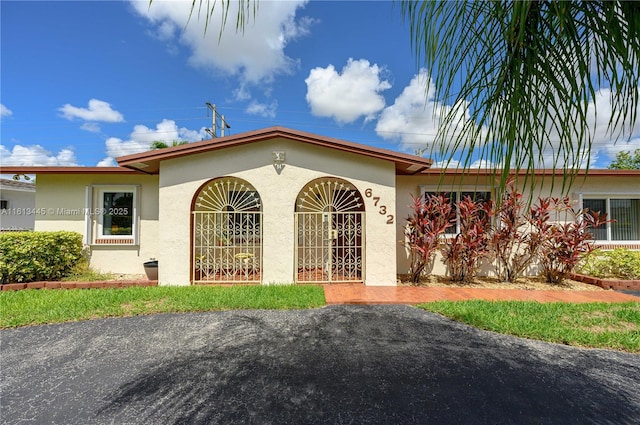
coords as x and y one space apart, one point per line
611 149
91 126
604 141
451 165
97 110
255 55
36 155
483 164
142 136
263 109
349 95
413 119
242 92
4 111
604 146
192 135
117 147
107 162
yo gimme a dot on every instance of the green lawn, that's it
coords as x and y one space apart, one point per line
33 306
597 325
600 325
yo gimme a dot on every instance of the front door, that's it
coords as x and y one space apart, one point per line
330 232
227 233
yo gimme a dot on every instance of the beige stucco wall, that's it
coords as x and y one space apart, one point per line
407 186
181 178
592 185
622 185
167 199
61 200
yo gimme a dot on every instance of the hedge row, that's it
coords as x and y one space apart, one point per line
38 256
620 263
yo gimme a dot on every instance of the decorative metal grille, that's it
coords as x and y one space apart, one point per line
330 227
227 233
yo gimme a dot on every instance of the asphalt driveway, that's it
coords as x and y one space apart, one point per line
334 365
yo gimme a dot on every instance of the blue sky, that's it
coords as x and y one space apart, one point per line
85 82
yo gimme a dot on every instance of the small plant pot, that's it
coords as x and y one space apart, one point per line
151 269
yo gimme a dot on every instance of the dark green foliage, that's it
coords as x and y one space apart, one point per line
625 161
35 256
158 144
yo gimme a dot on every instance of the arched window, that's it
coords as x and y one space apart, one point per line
227 232
330 232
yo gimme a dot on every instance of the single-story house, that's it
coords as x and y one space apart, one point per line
277 206
17 201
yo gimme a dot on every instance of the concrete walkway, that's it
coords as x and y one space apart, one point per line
361 294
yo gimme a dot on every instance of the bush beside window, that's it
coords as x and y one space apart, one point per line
620 263
37 256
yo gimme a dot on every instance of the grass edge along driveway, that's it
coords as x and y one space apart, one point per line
595 325
591 325
38 306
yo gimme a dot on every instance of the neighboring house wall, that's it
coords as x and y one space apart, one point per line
63 200
593 187
181 178
18 205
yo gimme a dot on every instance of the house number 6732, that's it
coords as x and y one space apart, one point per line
382 209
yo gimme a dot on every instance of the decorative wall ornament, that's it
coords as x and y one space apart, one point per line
278 161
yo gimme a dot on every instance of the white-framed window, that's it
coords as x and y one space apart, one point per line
476 193
623 209
112 217
4 204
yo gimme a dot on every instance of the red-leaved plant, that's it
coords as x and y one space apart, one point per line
462 253
562 244
430 217
512 245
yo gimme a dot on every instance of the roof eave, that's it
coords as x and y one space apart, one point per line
540 172
65 170
149 161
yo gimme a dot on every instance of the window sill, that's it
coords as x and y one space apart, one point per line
110 241
614 245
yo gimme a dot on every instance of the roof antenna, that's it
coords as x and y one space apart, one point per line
213 131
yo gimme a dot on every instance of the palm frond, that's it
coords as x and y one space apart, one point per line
526 73
247 9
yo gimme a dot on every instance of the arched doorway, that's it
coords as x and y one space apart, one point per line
227 232
330 226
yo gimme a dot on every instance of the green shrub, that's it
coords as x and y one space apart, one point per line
595 264
620 263
34 256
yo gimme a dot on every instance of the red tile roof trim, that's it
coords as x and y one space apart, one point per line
151 159
522 172
34 169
